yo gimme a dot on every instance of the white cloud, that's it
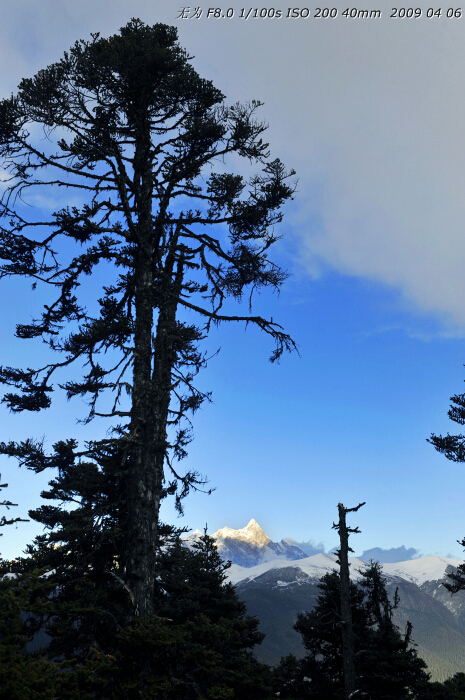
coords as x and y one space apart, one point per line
390 167
369 112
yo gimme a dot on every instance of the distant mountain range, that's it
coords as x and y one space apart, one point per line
276 589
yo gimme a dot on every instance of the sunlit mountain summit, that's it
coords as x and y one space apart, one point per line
249 546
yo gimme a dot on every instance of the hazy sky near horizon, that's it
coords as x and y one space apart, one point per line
370 113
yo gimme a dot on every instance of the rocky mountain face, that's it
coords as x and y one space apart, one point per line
278 580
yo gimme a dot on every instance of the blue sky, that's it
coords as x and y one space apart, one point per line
370 113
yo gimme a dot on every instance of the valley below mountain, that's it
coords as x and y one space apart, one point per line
278 580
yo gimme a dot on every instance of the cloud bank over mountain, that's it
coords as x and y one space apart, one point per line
310 548
390 556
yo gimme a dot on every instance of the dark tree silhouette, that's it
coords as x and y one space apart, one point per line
453 447
8 504
321 635
139 139
348 647
385 663
200 643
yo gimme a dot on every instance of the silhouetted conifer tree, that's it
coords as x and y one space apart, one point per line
81 553
453 447
8 504
321 636
345 623
26 676
390 667
132 134
193 596
200 643
386 664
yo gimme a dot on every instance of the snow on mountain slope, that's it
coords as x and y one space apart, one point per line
276 580
315 567
416 571
420 570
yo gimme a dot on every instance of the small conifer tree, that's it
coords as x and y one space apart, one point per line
386 663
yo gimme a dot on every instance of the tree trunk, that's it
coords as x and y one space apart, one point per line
348 647
153 365
143 476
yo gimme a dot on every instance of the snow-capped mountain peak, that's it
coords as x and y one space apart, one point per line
249 546
252 533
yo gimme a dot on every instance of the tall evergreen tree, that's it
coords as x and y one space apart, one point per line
136 136
195 596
